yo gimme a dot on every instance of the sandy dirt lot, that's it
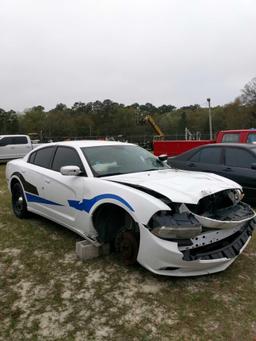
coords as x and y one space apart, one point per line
46 293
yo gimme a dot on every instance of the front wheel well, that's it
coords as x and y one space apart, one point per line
13 182
109 219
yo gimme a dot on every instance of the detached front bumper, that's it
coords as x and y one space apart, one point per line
164 257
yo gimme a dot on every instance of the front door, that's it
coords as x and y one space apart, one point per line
61 189
7 150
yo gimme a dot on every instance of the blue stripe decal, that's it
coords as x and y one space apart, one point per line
39 200
87 204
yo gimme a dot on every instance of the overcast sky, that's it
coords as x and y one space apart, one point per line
160 51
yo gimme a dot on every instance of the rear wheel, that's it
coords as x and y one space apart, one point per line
19 204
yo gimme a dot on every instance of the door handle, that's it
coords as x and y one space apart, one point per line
191 164
227 169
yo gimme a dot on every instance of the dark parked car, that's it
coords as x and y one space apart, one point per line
234 161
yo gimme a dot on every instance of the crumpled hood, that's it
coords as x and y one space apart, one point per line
178 185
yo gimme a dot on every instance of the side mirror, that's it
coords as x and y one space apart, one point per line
70 170
253 165
163 157
2 144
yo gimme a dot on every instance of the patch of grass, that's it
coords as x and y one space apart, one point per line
47 293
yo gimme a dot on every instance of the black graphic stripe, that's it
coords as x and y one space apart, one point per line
27 185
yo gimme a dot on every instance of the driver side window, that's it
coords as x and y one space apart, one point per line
195 157
66 156
5 141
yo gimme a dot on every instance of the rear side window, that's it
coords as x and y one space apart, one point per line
231 138
66 156
210 155
236 157
19 140
251 138
43 157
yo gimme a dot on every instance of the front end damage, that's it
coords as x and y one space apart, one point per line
190 240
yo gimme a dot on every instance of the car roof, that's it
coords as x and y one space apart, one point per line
13 135
240 145
89 143
190 152
251 130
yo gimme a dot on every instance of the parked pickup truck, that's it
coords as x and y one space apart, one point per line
15 146
173 148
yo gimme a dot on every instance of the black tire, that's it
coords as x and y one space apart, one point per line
19 204
128 247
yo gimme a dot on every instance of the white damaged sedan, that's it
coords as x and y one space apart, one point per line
173 222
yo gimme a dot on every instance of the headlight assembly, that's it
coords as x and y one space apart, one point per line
166 225
235 195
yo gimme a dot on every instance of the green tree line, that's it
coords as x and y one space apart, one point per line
108 118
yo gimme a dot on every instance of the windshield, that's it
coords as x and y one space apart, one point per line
121 159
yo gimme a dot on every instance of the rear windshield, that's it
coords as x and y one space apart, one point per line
231 138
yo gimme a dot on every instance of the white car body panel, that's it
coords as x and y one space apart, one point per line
157 254
178 185
213 223
72 200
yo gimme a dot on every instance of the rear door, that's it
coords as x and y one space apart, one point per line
40 161
237 167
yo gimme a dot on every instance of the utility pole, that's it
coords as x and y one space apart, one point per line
210 118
